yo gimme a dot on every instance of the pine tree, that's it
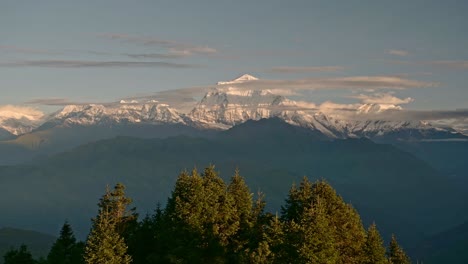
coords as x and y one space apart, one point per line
64 250
242 242
349 234
317 237
374 250
396 255
202 219
104 244
19 256
274 241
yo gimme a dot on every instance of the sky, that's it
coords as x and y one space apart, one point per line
409 53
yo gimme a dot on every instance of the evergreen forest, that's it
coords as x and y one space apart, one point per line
206 220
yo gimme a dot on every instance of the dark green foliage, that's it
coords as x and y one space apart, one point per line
362 172
318 243
19 256
202 217
65 249
374 249
105 245
396 255
348 232
207 221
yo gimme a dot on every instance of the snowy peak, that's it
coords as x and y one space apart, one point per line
98 114
240 79
223 108
19 120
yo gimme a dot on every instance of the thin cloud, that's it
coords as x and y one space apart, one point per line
53 102
383 98
19 112
173 47
188 96
17 49
451 64
291 69
401 53
95 64
447 64
354 82
155 55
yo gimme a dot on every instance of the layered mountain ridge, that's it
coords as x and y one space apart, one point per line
230 104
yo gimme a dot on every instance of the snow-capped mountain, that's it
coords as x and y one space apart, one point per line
99 114
230 104
17 120
224 108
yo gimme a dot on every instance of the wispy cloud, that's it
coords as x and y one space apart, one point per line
17 49
353 82
447 64
154 55
94 64
291 69
452 64
18 112
396 52
383 98
174 48
51 101
187 97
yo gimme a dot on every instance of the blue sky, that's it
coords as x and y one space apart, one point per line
54 52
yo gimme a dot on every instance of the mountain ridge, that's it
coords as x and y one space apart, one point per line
231 104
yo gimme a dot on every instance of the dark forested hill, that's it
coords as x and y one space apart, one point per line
38 243
400 192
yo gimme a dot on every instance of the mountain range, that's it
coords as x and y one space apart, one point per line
378 165
23 138
383 182
226 106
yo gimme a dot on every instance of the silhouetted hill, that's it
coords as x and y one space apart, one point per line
446 247
38 243
55 139
400 192
5 135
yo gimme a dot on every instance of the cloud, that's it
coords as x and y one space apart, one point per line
306 105
19 112
451 64
54 101
26 50
186 97
354 82
154 56
329 106
395 52
447 64
383 98
291 69
181 99
174 48
51 101
94 64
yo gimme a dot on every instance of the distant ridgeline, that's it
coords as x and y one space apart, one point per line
208 221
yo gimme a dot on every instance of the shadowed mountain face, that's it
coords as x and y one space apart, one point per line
382 182
5 135
446 247
54 139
